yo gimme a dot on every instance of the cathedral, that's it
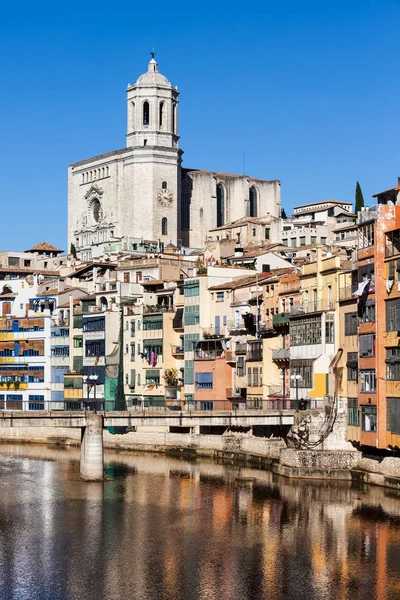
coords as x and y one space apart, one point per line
143 191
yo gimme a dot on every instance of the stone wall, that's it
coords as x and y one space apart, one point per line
271 454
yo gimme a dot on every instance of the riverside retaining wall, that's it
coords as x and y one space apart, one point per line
271 453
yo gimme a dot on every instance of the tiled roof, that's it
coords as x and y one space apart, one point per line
28 271
44 247
243 221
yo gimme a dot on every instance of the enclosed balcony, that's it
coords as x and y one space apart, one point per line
280 355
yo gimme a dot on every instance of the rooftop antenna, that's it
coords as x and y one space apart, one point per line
153 53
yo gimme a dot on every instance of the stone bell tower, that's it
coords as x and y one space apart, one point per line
154 172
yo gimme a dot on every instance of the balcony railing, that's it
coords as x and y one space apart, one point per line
177 351
214 332
148 310
236 393
208 354
282 319
240 348
281 354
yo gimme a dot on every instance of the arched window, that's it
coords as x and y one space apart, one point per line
253 202
146 113
220 205
173 118
164 226
186 193
161 114
133 116
164 185
103 303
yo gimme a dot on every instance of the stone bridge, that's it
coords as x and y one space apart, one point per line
92 425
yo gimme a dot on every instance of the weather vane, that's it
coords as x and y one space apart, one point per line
153 53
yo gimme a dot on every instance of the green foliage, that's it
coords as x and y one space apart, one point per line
73 250
359 198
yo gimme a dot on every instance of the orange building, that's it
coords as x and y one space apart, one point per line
377 288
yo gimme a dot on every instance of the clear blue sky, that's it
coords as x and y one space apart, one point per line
308 89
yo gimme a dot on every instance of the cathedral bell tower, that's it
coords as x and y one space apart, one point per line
152 110
153 171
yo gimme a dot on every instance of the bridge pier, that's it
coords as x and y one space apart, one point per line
92 452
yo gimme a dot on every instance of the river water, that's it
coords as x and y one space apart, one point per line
166 529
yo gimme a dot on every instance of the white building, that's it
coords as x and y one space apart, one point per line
141 190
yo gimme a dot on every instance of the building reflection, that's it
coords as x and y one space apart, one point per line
164 528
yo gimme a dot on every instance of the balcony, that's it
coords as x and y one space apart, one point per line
230 357
236 327
213 333
208 354
282 354
238 394
151 310
346 292
177 351
241 348
279 320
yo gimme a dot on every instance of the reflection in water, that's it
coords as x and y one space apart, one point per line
162 528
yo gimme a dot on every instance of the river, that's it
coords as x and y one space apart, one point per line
162 528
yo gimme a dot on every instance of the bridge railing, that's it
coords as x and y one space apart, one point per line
165 405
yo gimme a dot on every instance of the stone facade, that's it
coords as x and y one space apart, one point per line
136 191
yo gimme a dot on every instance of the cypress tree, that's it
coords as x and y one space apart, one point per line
359 198
73 250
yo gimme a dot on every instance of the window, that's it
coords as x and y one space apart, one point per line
323 240
330 329
254 232
95 348
94 324
313 239
186 192
220 205
152 377
368 381
164 226
393 364
305 370
267 231
146 113
204 380
164 185
152 324
133 354
191 288
127 277
350 324
367 345
132 382
220 296
253 202
78 342
240 366
161 114
249 378
304 332
206 405
255 377
192 315
255 350
393 315
367 312
393 243
393 415
366 235
352 366
285 242
293 242
369 418
302 240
